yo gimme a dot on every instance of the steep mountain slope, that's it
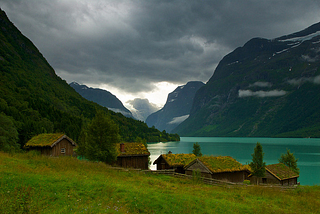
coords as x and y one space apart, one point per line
265 88
177 107
39 101
102 97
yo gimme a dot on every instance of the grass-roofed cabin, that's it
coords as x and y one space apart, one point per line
277 174
133 155
174 161
51 144
221 168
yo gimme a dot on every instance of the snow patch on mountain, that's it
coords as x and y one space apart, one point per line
302 38
297 41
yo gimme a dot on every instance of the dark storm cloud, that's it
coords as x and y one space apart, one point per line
130 44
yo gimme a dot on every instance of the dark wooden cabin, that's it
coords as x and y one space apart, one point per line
221 168
278 174
55 144
133 155
174 161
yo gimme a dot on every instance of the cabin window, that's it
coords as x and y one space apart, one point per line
63 150
264 180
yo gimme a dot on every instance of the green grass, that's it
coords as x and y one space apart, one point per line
39 184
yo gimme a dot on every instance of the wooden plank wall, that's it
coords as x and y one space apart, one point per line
236 177
163 165
137 162
64 143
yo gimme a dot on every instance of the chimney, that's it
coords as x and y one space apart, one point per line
122 147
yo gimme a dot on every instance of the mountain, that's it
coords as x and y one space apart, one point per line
177 107
142 108
102 97
267 88
36 100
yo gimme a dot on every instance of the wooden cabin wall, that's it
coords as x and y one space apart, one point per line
137 162
43 150
162 164
270 179
64 143
289 182
203 174
236 177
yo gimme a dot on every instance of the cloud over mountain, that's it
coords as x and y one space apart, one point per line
141 108
273 93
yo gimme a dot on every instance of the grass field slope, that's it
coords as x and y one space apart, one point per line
39 184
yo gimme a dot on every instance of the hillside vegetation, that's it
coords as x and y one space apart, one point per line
40 184
37 101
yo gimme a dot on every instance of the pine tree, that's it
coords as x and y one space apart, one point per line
289 160
258 167
197 149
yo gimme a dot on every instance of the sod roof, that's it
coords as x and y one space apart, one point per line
42 140
217 164
176 159
281 171
133 149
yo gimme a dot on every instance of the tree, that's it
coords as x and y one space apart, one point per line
197 149
289 160
258 167
99 139
8 134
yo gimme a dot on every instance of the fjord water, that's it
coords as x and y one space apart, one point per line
307 150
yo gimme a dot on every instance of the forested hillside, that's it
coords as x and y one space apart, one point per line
36 100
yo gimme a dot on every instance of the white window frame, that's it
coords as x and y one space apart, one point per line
63 150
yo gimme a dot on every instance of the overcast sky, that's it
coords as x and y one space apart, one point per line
144 48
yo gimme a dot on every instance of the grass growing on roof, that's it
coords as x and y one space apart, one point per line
222 163
178 159
282 171
133 149
44 139
40 184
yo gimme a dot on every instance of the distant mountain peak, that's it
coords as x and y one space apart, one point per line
102 97
177 107
74 83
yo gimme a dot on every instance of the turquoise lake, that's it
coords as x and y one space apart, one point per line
307 150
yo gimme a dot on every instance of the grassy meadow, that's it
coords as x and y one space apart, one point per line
38 184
